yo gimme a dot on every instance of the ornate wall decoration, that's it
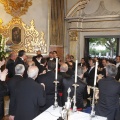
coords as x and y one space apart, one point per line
73 35
16 8
33 39
79 6
101 11
20 36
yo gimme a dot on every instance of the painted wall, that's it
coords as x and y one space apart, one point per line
38 11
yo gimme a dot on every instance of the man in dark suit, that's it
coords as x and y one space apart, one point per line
29 97
63 70
90 73
103 69
51 57
81 92
10 65
21 57
82 62
48 80
109 93
38 53
20 60
42 66
37 61
12 83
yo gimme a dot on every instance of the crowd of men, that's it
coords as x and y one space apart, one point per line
30 84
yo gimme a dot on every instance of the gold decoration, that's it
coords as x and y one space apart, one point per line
16 8
33 40
73 35
20 36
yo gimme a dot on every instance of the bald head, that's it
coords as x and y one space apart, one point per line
31 63
19 69
32 72
80 71
63 67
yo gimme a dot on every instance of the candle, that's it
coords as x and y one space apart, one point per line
96 67
56 69
76 64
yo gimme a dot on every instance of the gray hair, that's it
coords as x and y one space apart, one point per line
111 70
64 67
33 72
19 69
79 71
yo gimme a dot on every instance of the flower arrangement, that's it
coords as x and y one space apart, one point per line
3 53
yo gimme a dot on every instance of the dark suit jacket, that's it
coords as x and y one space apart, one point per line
109 93
103 72
81 92
90 77
50 59
3 92
19 61
42 68
36 63
48 80
64 75
118 73
28 98
11 68
34 57
79 64
12 83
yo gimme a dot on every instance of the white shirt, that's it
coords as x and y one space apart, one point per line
117 65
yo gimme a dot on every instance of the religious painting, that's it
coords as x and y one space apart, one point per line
16 35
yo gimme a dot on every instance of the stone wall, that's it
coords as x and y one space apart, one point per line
93 18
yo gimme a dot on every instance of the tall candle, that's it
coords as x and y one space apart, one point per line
96 67
76 65
56 69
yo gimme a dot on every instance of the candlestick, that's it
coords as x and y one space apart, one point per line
56 68
76 64
96 67
93 100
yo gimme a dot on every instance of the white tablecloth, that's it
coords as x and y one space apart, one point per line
50 114
54 114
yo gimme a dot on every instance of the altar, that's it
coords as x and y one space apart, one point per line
54 113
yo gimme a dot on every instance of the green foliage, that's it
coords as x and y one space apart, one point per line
109 43
2 45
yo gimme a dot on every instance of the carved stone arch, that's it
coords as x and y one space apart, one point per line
77 7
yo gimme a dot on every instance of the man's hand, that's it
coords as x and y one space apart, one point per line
11 117
100 76
3 75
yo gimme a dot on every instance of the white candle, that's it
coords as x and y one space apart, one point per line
56 69
96 67
76 64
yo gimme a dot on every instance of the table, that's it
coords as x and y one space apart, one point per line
50 114
54 113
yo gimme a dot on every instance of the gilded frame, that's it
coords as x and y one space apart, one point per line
7 32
